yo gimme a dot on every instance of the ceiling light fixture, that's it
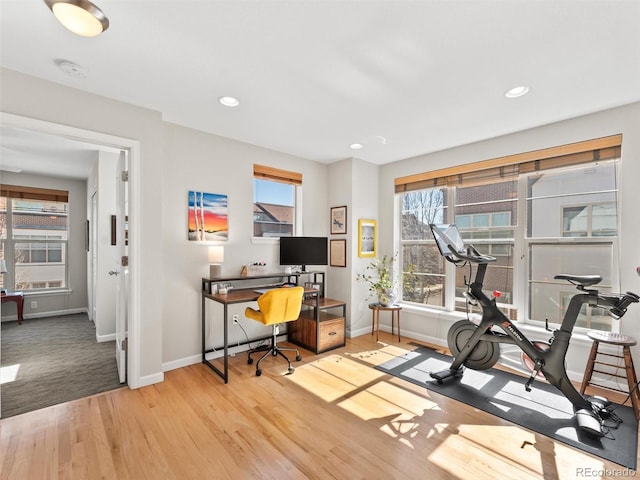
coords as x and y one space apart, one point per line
516 92
229 101
80 16
356 146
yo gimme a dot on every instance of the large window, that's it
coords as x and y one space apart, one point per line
557 213
275 194
34 238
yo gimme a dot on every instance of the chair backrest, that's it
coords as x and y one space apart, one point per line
281 304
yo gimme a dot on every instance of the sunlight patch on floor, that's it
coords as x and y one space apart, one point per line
9 373
333 377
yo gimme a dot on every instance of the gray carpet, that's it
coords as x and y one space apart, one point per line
544 410
59 360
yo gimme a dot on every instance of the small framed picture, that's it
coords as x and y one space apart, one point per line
338 220
338 253
367 241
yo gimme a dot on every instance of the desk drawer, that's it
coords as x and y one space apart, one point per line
331 334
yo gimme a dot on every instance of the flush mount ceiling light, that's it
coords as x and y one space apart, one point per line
516 92
80 16
356 146
229 101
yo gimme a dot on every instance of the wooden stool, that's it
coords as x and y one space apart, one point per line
618 340
375 317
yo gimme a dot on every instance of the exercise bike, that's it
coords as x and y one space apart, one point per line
478 346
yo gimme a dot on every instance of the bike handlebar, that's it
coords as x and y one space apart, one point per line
620 308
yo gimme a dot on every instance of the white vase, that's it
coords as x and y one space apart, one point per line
386 297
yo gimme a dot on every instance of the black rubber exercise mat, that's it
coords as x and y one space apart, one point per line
543 410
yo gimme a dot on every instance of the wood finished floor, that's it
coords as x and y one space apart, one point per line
334 418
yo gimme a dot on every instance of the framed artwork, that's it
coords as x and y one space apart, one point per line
207 216
338 253
338 220
367 238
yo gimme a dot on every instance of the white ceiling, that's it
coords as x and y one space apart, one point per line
403 78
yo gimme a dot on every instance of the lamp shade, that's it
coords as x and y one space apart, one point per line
216 254
3 266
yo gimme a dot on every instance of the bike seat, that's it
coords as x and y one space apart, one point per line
583 280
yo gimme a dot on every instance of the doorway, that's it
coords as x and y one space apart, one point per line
102 141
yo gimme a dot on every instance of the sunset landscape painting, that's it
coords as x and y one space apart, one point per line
207 216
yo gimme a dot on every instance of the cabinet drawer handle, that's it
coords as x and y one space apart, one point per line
333 333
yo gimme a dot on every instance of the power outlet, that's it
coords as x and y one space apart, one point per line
235 319
34 304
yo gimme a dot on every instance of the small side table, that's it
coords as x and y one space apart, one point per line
18 298
376 308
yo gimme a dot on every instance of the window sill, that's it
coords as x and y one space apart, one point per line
37 293
265 240
533 332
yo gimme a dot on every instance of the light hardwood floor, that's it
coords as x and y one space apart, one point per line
335 417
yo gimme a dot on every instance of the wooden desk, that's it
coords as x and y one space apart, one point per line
18 298
243 295
375 317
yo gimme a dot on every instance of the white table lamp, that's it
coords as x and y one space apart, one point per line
216 257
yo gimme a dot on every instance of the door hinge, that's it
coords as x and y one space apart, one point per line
124 261
124 176
124 344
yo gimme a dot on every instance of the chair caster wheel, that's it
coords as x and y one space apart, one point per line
291 370
258 372
298 358
250 361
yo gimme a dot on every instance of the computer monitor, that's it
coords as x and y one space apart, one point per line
303 251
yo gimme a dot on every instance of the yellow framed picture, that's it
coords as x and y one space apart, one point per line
367 238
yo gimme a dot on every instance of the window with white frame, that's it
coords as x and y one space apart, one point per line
34 234
559 212
275 194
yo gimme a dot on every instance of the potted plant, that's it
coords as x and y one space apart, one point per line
379 274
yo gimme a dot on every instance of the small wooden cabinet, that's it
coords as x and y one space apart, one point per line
321 325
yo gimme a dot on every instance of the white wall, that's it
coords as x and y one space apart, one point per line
433 326
203 162
103 183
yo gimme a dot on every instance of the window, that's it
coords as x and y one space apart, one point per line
34 237
275 200
569 224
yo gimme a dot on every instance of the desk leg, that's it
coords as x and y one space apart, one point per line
20 304
204 355
226 344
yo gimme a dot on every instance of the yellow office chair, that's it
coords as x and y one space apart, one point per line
276 306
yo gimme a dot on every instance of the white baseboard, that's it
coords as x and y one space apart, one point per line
150 380
55 313
106 338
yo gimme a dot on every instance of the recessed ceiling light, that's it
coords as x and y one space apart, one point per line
516 92
356 146
229 101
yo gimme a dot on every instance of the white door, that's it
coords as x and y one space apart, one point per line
122 268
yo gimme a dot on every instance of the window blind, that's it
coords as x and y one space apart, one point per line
277 175
34 193
477 173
